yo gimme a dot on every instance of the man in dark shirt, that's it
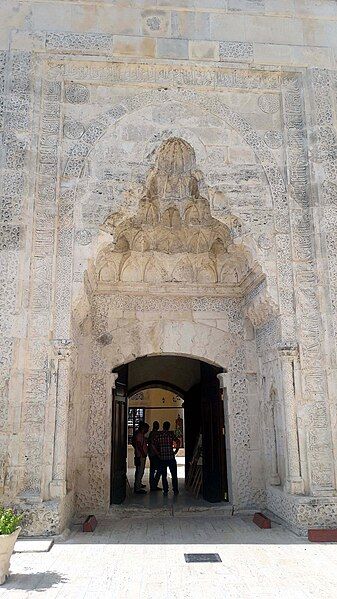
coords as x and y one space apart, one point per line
164 444
154 458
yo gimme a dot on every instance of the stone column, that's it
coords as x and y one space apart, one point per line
111 382
111 379
274 477
58 484
223 378
288 355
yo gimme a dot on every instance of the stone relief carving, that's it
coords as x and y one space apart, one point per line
91 42
15 104
83 237
268 332
165 74
76 94
173 238
269 103
324 87
3 59
273 139
260 307
236 51
172 213
73 129
242 457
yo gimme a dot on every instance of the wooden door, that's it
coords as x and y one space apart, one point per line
192 418
213 436
119 439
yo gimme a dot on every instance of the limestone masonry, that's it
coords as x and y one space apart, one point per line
168 185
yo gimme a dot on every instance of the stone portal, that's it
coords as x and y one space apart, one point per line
168 188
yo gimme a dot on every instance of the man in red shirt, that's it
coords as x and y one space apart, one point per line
140 447
164 443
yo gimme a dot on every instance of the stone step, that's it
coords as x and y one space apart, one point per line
170 510
30 545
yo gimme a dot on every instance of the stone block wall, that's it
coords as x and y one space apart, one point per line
288 33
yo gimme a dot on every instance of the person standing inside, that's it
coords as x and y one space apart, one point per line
167 445
154 458
140 447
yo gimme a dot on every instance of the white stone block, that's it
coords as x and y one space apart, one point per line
273 54
134 46
172 48
118 20
272 30
33 545
203 50
227 27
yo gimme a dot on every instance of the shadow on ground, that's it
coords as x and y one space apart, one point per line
39 581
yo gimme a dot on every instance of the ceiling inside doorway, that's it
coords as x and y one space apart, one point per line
178 372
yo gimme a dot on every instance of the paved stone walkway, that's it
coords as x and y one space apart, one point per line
144 558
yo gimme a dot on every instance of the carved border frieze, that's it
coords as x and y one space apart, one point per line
71 81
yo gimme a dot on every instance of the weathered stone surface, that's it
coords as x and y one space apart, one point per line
153 200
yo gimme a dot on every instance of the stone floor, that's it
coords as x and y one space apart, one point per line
138 552
144 558
156 504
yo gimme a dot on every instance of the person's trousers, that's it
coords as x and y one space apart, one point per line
140 467
172 465
154 471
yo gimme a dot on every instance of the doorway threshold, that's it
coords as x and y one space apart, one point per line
205 508
173 508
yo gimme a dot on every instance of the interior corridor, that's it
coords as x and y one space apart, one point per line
185 392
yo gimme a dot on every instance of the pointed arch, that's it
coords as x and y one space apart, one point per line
206 272
154 272
109 273
218 248
183 272
131 271
171 218
140 242
122 244
151 215
198 243
74 165
192 216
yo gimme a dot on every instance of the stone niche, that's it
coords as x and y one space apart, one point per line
173 280
172 238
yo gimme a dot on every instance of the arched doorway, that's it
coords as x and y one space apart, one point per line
204 431
169 278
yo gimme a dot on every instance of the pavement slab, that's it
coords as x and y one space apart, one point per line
143 559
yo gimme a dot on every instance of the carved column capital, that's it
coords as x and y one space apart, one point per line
112 378
223 378
288 351
62 348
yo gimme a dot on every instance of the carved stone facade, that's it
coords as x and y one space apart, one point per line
168 186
